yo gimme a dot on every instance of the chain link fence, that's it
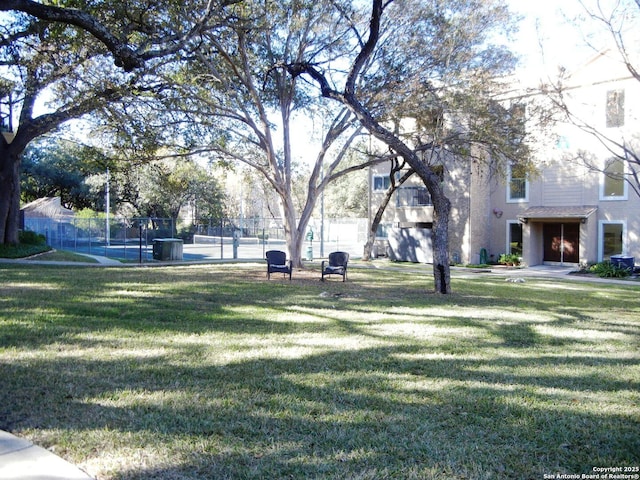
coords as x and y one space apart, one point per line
122 238
132 239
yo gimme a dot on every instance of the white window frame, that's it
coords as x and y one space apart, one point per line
601 225
508 193
625 185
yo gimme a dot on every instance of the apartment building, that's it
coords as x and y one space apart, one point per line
578 208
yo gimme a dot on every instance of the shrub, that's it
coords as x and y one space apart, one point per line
186 233
509 259
27 237
607 269
31 243
22 250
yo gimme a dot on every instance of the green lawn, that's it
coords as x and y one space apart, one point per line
211 372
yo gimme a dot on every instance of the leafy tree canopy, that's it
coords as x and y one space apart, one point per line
58 168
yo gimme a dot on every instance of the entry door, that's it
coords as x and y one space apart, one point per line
561 242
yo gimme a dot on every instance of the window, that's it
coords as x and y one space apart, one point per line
563 143
412 197
611 239
381 183
518 186
614 186
514 239
615 108
383 230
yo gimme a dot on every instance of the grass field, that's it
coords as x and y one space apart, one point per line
211 372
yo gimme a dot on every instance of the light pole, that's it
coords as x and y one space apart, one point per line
322 213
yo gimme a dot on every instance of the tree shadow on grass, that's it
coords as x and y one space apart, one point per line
504 403
336 414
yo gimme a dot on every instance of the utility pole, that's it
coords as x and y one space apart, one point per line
107 201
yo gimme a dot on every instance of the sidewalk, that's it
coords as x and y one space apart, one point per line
98 261
103 260
561 272
22 460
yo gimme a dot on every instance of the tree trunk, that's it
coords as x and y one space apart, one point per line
373 228
441 271
291 233
9 194
441 204
295 248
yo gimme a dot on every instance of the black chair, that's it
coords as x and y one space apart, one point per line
277 263
337 265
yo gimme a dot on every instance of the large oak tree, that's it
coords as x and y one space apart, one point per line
60 62
239 105
431 60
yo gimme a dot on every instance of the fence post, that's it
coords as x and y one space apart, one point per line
140 240
221 239
146 238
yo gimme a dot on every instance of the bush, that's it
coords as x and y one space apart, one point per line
607 269
27 237
509 259
186 233
31 243
22 250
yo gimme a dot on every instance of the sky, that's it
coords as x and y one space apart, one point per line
550 36
547 37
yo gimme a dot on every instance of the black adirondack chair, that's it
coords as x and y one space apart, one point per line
277 263
337 265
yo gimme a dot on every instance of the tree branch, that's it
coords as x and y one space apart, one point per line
367 48
124 56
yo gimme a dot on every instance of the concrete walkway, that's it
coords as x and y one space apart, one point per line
98 261
103 260
22 460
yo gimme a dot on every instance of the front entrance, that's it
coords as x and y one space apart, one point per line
561 242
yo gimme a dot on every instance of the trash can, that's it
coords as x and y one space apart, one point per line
167 249
623 261
310 253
